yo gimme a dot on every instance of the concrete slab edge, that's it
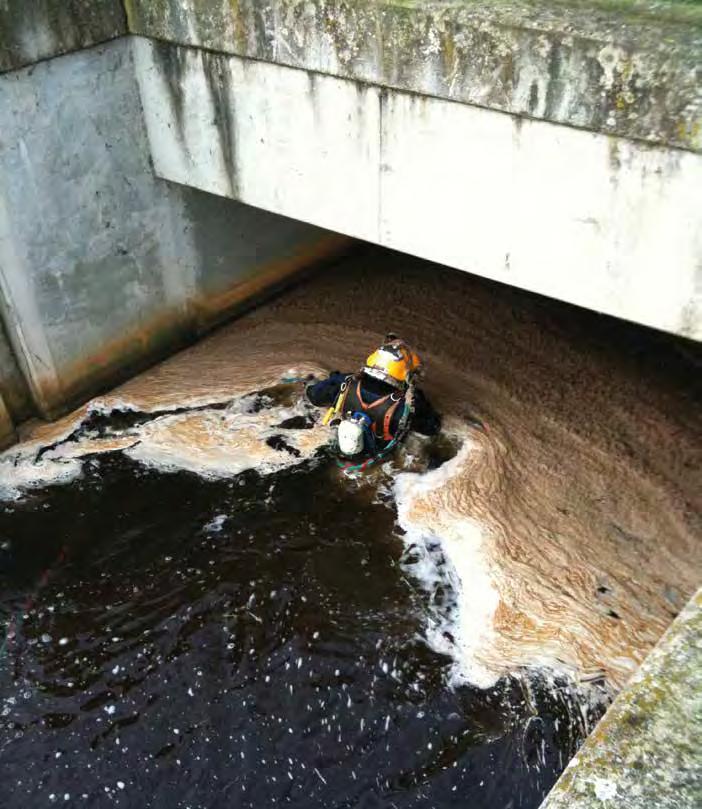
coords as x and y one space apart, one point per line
629 69
647 749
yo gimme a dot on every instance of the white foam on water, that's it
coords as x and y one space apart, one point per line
213 443
107 405
221 444
216 523
19 474
446 552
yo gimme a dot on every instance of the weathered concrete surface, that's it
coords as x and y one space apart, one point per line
7 428
12 384
32 30
646 752
103 267
626 68
244 253
15 404
610 224
87 241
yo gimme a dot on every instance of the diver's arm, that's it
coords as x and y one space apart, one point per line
326 392
425 419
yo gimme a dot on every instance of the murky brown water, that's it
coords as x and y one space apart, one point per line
569 520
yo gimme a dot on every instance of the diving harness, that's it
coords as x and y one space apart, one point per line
357 431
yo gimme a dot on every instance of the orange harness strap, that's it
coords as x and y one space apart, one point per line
377 402
387 420
387 436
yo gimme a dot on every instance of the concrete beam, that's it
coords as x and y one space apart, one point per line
611 224
647 750
33 30
631 68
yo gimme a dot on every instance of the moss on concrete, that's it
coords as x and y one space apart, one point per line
623 67
32 30
647 750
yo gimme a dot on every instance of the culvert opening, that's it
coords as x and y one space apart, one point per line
212 611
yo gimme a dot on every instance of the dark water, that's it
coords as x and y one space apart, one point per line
178 642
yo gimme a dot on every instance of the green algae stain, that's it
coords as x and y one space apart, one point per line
238 25
471 54
131 17
690 133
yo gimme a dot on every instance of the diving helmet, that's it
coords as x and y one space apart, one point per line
394 362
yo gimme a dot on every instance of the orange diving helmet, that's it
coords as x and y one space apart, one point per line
394 362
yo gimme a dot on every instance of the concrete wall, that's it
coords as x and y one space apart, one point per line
631 68
12 383
103 267
15 402
612 224
33 30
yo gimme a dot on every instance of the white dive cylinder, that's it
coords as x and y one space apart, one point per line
350 435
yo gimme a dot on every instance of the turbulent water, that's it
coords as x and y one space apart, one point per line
203 611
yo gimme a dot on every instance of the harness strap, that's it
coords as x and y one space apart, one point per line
407 402
370 406
343 394
387 435
335 409
405 416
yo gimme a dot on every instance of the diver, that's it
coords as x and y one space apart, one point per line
373 410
